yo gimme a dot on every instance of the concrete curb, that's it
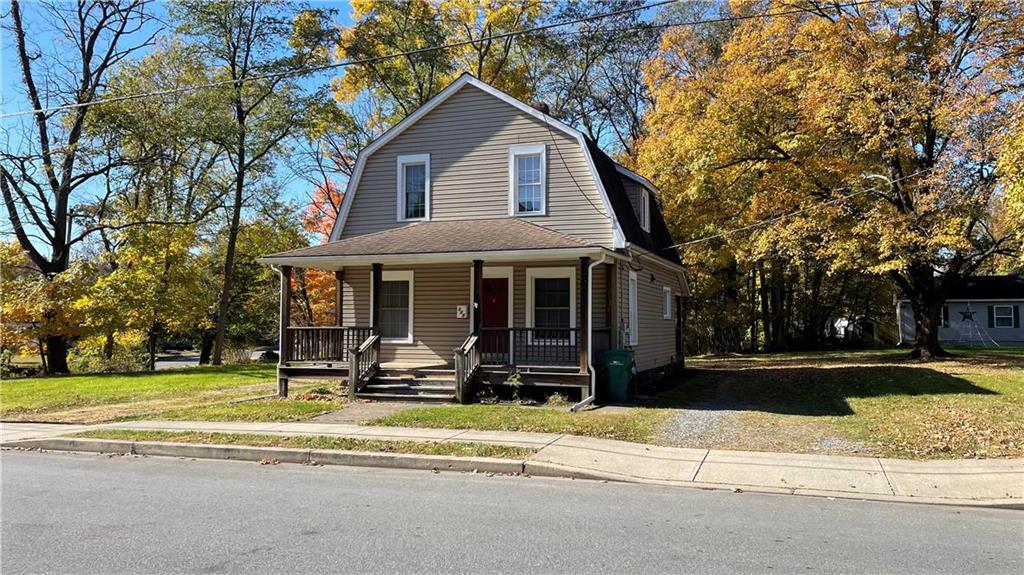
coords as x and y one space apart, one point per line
278 454
445 463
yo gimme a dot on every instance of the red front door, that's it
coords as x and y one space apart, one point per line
494 320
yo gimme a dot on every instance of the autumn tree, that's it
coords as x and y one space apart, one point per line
262 105
887 118
52 164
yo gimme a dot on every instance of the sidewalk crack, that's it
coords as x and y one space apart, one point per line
886 476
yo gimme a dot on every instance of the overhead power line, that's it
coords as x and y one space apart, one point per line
809 208
504 35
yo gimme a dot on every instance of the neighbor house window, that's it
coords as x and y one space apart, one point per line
945 316
414 187
634 318
550 296
666 302
527 177
1003 315
396 297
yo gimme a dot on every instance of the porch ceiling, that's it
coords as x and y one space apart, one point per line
490 239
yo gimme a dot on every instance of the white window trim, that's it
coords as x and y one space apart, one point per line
393 276
645 210
527 150
634 312
996 316
534 273
666 302
412 159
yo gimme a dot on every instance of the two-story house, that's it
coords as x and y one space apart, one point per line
479 238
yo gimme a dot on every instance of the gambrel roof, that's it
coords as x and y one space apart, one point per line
606 174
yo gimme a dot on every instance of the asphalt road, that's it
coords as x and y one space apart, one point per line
95 514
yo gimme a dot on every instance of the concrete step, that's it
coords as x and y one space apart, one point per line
392 396
414 387
411 380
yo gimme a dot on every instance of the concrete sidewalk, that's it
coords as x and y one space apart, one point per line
997 481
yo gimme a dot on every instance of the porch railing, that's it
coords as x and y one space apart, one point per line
363 363
467 362
323 343
530 346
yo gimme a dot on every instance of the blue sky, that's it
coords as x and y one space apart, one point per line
12 97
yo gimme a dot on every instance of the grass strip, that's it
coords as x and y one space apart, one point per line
315 442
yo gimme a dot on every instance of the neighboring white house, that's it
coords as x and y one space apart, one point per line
985 310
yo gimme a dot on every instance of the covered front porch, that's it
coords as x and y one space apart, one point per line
446 322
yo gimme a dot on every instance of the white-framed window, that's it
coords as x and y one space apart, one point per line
551 303
666 302
645 210
396 306
413 187
634 317
527 180
1002 315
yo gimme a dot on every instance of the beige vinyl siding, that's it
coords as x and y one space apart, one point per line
656 342
437 291
468 138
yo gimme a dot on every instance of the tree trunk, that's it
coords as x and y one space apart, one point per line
229 262
926 299
205 347
56 354
108 347
151 349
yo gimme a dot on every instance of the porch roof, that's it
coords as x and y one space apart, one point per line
450 240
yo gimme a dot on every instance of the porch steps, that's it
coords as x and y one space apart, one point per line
433 385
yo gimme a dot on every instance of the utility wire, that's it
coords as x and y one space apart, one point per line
355 62
793 213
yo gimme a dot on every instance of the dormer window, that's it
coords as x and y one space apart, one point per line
414 187
645 210
527 170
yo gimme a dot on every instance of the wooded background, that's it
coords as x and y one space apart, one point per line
812 158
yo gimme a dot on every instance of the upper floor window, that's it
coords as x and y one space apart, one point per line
414 187
527 180
645 210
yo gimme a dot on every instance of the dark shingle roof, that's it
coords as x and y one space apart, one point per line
501 234
989 287
658 241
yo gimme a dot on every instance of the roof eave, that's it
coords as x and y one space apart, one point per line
338 262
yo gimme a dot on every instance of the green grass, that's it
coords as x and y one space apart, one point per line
30 397
971 405
316 442
638 425
271 409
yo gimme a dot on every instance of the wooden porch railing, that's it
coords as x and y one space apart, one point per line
467 362
364 361
554 347
322 344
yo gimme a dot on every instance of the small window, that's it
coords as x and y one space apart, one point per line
634 318
414 187
666 302
527 167
645 210
396 295
1003 315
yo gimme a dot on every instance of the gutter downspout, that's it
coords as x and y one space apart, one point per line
590 337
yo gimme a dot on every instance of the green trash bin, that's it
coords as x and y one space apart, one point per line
620 367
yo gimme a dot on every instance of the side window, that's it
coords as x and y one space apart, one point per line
414 187
666 302
527 175
645 210
634 317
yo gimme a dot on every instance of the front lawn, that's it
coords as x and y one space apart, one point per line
267 409
871 403
459 449
638 425
102 397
